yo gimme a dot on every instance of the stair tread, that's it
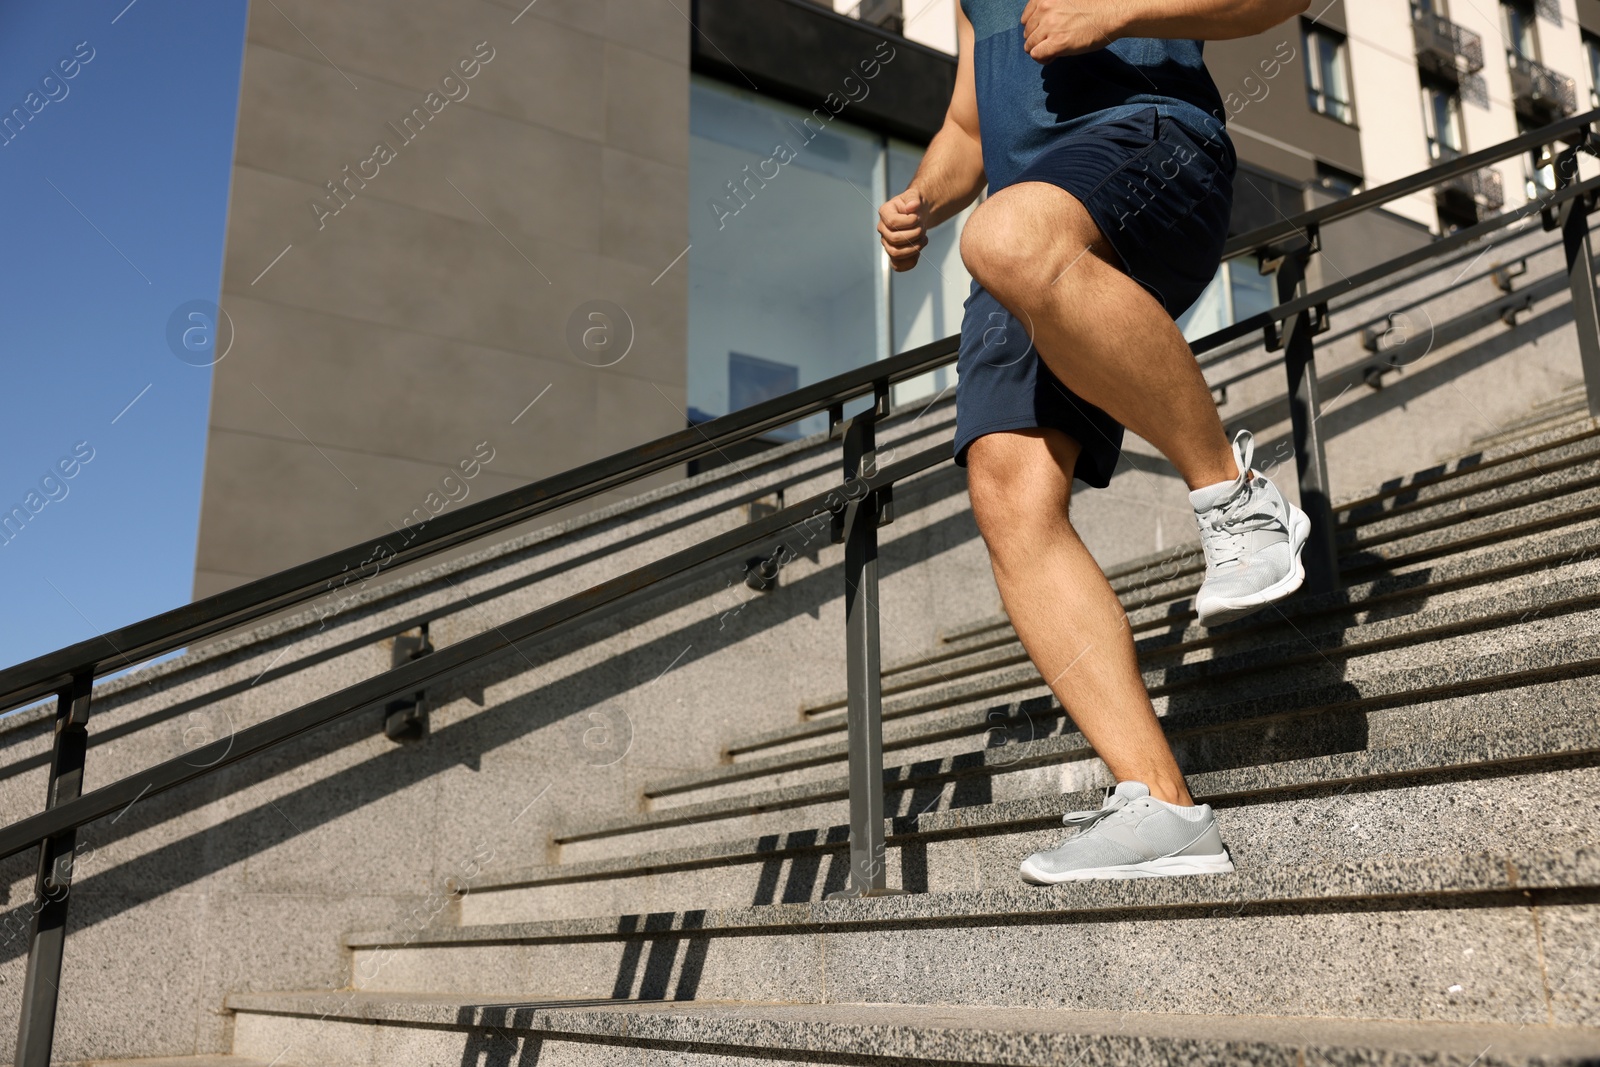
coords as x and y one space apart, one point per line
1536 601
1546 550
1482 462
1494 673
1389 877
1569 450
1231 786
923 1032
189 1061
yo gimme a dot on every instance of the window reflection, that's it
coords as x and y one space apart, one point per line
787 282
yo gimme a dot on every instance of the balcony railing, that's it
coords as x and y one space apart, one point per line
1444 49
1478 193
1540 94
885 14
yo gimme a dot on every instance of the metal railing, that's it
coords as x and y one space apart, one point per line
1445 49
853 511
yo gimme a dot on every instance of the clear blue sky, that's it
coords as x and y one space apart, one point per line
141 145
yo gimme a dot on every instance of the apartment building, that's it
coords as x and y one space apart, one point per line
640 214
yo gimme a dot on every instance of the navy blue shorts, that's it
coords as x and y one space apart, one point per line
1162 196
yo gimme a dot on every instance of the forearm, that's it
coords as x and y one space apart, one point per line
1203 20
950 175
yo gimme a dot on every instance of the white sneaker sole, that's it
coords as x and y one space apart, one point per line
1166 867
1219 610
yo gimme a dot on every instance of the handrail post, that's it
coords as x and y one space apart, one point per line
47 939
1321 554
861 516
1579 246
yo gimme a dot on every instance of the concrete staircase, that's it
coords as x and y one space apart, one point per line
1407 774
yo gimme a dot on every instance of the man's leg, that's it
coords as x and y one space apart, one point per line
1064 611
1035 248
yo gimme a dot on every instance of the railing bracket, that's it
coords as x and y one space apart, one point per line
406 719
761 572
1504 275
835 421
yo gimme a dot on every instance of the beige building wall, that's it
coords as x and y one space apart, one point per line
1388 94
1383 74
376 347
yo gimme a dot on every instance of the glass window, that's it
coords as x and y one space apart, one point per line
1518 23
1591 53
1250 291
1327 74
928 299
788 284
1336 181
1539 165
1441 119
785 268
1210 311
1238 291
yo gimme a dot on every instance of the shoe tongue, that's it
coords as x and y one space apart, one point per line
1209 496
1132 790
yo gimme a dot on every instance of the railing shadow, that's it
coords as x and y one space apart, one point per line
195 856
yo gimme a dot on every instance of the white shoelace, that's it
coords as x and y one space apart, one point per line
1223 531
1086 820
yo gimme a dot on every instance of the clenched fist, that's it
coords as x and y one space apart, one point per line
902 226
1052 28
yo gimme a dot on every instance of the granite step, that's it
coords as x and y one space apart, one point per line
1499 528
1210 739
1534 788
962 706
379 1030
1491 481
1464 469
1501 938
1366 555
1525 608
195 1061
1567 454
1565 483
1570 406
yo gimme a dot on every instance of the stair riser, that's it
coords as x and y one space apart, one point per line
1317 666
1359 961
335 1042
1556 478
1310 664
1186 663
1474 481
1441 583
1039 753
1538 810
1454 539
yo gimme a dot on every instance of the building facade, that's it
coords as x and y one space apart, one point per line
475 243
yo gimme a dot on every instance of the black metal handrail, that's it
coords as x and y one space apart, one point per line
175 629
852 512
1572 130
181 626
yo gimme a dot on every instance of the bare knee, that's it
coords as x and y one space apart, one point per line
1022 239
1020 484
1000 249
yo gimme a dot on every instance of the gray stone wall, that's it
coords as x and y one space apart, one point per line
424 193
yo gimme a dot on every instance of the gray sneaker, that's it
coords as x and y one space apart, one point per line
1252 538
1133 835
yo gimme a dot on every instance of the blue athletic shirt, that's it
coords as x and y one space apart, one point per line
1025 107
